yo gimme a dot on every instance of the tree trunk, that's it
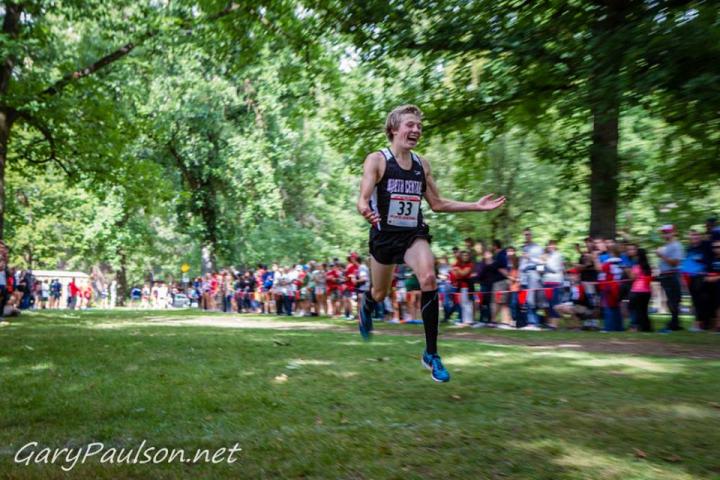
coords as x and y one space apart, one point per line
6 119
11 28
209 214
122 284
605 98
29 258
604 170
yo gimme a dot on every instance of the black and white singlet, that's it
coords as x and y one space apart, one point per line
398 195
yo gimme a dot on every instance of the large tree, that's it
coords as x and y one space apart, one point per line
55 80
505 63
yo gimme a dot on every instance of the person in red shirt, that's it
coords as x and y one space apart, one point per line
351 277
461 277
87 295
611 273
301 294
462 270
332 277
74 293
214 289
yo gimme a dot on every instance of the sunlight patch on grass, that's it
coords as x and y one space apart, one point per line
685 410
300 362
42 366
594 463
217 322
551 351
118 324
22 370
632 363
477 359
495 354
549 369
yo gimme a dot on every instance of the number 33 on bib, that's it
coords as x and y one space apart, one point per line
403 210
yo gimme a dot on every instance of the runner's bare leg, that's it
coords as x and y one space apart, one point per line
381 276
420 258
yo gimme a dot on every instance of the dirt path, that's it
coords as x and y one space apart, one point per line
543 340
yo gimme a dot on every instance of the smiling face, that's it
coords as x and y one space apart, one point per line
409 131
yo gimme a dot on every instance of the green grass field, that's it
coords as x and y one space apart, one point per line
305 403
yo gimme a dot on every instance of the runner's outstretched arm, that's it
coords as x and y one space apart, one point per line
439 204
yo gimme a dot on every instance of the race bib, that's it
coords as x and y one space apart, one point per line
403 210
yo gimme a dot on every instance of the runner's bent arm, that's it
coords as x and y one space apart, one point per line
439 204
371 175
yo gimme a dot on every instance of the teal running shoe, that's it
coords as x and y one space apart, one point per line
434 364
366 323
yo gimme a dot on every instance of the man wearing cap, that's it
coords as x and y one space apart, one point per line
670 255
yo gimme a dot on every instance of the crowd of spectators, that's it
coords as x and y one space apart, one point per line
21 290
609 287
311 289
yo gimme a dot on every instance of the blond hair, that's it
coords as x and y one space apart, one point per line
394 117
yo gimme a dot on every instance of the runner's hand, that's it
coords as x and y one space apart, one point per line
489 203
370 215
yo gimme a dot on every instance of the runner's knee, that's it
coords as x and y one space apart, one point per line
427 281
378 294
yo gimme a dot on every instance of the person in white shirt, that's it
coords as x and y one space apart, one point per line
531 263
553 277
284 289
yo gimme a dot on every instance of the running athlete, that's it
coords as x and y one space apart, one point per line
393 183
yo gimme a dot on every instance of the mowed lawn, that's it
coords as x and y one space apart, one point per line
323 404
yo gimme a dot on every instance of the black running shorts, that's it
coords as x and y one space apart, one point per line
389 248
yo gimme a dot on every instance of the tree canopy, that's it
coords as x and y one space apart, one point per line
142 135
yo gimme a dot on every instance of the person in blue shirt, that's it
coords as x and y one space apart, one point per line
602 247
628 256
135 296
268 278
55 293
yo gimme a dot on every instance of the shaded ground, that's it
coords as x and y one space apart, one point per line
708 345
